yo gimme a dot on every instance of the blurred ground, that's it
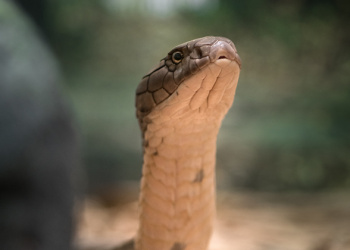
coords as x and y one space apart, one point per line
245 221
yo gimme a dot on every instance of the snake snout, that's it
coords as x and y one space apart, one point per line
224 50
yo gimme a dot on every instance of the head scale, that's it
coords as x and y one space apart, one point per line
181 63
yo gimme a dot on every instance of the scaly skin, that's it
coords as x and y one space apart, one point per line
180 107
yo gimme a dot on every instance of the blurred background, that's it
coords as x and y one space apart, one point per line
287 132
289 126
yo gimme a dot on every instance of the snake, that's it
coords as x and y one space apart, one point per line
180 105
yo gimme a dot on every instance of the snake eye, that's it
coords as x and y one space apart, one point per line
177 57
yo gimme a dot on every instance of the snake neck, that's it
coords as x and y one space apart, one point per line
177 200
180 105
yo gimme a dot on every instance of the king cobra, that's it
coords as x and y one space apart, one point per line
180 105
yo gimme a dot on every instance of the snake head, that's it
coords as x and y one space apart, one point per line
197 64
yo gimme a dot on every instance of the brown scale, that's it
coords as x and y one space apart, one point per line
162 81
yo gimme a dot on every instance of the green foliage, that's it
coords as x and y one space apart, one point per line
288 129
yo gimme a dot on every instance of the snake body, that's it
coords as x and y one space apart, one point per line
180 106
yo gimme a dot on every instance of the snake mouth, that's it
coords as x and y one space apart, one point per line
224 50
234 58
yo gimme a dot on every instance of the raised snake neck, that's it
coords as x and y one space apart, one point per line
180 105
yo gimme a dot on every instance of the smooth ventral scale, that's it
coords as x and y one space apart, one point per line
180 105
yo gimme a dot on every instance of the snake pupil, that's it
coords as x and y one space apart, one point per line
177 57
